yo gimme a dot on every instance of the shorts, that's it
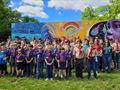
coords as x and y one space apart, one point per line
62 65
12 62
3 67
20 65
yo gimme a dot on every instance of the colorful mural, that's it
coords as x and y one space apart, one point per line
108 29
51 30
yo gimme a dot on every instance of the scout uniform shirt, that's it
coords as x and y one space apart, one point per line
116 47
78 52
48 56
91 52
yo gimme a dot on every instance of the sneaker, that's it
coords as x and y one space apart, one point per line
17 76
51 79
46 79
21 76
55 75
96 78
88 78
61 76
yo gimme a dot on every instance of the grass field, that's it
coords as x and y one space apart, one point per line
106 81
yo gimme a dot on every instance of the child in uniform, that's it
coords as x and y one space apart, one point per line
19 63
116 49
13 53
62 63
69 55
107 56
29 60
79 57
40 62
49 60
56 51
2 61
91 60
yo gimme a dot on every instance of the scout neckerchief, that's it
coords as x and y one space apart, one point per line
28 54
91 51
62 58
117 47
80 51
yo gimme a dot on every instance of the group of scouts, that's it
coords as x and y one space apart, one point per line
59 58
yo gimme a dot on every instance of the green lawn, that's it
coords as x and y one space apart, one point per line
106 81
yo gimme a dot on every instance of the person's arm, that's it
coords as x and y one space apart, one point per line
26 60
88 53
46 62
83 54
35 59
66 63
31 60
52 62
113 47
10 58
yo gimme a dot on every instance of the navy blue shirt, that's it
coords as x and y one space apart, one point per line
13 53
40 56
29 54
62 57
20 57
55 52
49 56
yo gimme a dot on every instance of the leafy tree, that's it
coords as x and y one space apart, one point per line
89 14
7 17
28 19
107 12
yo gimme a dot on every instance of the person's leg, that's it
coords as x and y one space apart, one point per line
64 73
22 72
116 60
31 69
13 70
89 68
41 70
22 68
118 57
51 71
99 64
0 72
10 68
96 63
69 70
38 71
94 68
109 62
104 62
77 68
17 70
0 69
27 69
81 68
67 73
60 73
47 72
3 72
